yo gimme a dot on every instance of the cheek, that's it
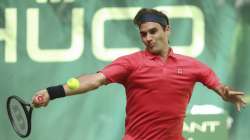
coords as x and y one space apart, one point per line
143 40
159 39
162 38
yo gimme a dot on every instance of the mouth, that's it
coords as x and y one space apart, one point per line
151 45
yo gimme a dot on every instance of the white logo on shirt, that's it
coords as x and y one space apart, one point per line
179 71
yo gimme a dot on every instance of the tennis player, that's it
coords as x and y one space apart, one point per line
158 83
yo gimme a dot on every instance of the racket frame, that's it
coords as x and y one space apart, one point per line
26 111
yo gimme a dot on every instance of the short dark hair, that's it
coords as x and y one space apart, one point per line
138 20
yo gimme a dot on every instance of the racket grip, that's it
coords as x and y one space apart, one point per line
38 99
32 105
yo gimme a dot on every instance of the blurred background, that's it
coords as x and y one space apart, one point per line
46 42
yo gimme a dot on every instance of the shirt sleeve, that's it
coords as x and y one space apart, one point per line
207 76
118 70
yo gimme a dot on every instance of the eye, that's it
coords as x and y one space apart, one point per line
153 31
143 34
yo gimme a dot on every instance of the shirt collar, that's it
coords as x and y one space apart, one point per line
152 56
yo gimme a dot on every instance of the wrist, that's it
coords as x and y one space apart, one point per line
221 90
56 92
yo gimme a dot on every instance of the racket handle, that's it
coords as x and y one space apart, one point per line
32 105
38 99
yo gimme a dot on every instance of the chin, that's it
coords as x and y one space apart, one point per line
154 51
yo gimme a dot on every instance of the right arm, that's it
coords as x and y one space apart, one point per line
87 83
116 72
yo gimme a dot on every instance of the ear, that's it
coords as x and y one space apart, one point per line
167 29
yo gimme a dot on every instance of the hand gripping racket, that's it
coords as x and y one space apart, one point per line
19 113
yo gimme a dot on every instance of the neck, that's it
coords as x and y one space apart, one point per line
164 53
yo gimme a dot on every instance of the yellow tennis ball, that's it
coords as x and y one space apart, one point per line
73 83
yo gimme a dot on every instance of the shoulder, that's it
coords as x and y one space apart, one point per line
191 61
188 59
131 60
133 57
137 54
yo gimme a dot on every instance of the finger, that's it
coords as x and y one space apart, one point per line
236 92
243 105
238 107
235 98
246 99
35 105
240 101
45 104
243 101
33 99
227 88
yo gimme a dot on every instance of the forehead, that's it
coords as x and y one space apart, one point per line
144 27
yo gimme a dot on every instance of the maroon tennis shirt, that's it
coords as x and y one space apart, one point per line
157 92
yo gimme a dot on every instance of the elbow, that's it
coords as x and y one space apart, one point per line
95 81
95 84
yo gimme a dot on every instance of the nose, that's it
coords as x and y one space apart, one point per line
148 38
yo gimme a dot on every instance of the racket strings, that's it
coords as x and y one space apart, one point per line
18 117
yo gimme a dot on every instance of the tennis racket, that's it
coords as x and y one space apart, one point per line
20 113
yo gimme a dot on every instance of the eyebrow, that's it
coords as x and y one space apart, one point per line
151 29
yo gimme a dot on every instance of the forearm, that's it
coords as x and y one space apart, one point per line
87 83
75 86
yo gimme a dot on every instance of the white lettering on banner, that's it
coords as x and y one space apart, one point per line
198 32
9 35
55 55
212 125
100 51
41 1
54 1
205 126
101 16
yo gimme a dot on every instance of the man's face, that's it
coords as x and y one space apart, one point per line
154 37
